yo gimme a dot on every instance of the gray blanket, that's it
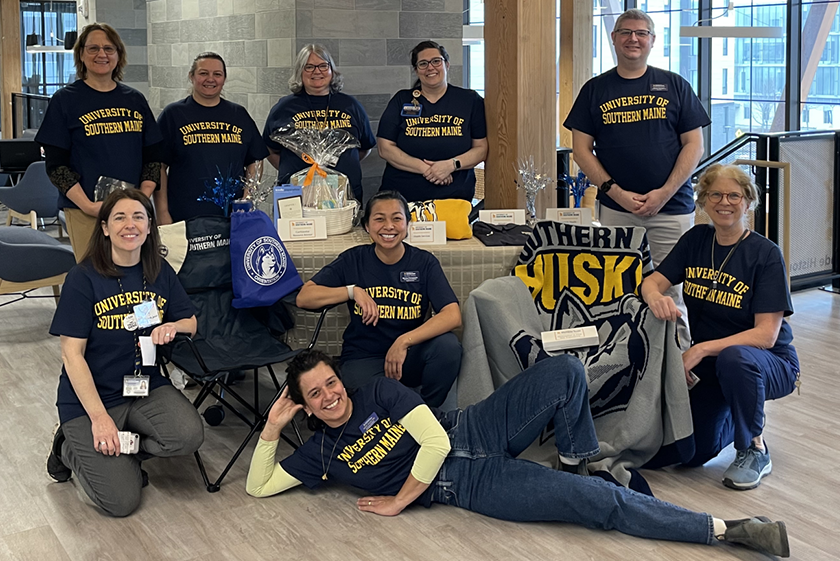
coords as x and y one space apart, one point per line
638 393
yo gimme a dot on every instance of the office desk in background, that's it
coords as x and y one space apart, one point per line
466 263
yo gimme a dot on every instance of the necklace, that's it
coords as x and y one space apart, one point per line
323 438
725 261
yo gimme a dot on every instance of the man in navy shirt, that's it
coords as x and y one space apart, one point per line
636 133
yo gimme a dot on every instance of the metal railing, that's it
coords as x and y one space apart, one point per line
811 234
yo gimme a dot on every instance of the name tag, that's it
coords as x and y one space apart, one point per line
136 386
410 276
659 87
369 422
411 110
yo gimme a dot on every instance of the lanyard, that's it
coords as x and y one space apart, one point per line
138 361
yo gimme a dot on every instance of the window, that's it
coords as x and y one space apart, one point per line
666 40
594 41
746 111
806 113
43 25
827 116
724 84
725 46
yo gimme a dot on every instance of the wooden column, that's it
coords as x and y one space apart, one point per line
9 60
520 70
575 66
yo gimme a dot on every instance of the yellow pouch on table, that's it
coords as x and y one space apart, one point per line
455 212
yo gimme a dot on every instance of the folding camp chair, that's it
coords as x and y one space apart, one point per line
227 339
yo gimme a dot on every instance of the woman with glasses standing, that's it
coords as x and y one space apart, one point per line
736 291
317 103
97 127
433 135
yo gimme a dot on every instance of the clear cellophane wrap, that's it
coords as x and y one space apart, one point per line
323 187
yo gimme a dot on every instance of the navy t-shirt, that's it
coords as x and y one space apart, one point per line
402 291
444 130
92 307
636 124
374 454
199 144
754 281
309 112
105 133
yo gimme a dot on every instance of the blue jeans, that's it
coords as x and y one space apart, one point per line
727 404
432 365
482 473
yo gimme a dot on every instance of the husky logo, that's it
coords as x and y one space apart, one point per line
265 261
613 368
163 250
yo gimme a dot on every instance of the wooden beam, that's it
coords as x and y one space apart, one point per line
520 63
575 65
10 58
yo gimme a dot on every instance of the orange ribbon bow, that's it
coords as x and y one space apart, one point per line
307 181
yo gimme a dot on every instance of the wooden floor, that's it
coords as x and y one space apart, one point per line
178 519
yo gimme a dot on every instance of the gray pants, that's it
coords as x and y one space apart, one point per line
663 231
168 425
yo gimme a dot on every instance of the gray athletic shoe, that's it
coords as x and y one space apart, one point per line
749 467
759 534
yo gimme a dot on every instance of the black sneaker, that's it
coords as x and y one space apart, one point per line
56 469
760 534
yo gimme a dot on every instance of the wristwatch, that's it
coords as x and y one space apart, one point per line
606 185
457 163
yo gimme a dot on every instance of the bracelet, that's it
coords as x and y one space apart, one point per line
350 291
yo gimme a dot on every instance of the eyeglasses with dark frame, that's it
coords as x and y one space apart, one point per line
94 49
424 64
640 33
733 197
323 67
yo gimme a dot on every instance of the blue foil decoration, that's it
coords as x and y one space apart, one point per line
222 190
577 186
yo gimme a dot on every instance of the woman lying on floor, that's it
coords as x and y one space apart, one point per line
467 458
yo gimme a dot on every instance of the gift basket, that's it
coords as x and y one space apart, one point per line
326 192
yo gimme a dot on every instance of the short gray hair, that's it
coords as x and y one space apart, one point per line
296 81
637 14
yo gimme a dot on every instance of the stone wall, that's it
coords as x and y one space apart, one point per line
128 17
369 39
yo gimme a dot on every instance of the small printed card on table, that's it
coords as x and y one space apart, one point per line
503 216
299 229
581 216
427 233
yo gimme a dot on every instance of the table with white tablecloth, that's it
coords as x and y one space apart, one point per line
466 263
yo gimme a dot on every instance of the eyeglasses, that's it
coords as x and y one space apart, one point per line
94 49
717 196
323 67
424 64
640 33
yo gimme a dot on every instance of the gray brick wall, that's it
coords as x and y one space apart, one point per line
370 40
128 17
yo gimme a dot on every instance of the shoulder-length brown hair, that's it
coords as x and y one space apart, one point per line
113 36
99 249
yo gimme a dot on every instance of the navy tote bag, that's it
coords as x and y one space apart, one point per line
261 268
